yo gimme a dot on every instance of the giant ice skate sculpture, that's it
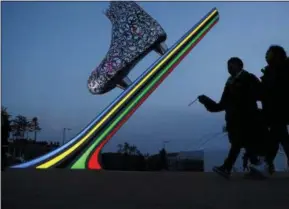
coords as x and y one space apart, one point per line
134 34
82 151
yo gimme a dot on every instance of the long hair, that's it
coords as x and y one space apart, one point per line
279 51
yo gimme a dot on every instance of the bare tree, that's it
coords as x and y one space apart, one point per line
35 127
20 126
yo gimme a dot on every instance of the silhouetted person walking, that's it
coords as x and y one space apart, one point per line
275 97
239 101
5 129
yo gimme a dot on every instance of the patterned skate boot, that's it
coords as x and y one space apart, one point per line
134 34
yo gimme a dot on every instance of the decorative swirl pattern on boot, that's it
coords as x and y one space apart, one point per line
134 32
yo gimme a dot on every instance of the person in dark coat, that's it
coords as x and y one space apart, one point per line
275 98
239 101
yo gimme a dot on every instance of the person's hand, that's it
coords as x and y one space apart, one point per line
264 69
203 99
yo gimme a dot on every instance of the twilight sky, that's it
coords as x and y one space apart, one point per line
50 48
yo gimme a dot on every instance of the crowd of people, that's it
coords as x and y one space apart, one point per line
257 130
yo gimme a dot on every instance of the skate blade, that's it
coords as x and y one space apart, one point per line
161 48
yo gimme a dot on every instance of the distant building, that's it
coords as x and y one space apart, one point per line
191 155
172 160
22 150
186 161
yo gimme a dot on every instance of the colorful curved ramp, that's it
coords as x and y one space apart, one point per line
83 150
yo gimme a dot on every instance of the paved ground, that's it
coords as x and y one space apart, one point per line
66 189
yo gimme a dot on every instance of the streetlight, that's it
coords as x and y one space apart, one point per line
164 144
63 134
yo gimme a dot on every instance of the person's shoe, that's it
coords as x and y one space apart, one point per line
271 169
261 169
134 34
221 170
